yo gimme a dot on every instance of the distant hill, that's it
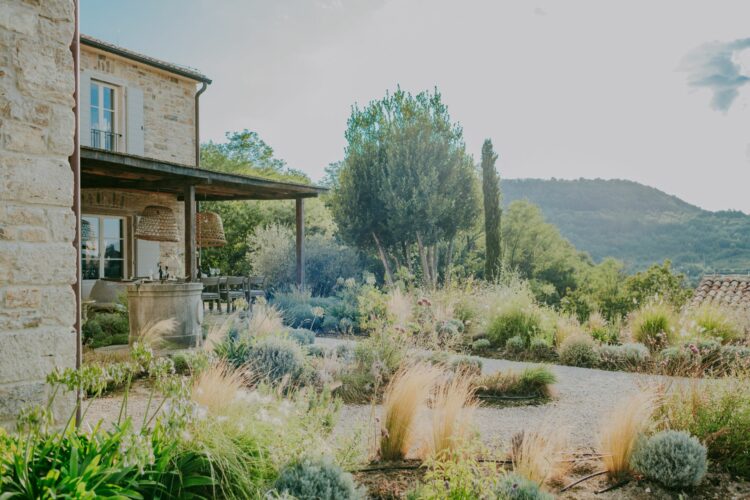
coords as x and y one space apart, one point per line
638 224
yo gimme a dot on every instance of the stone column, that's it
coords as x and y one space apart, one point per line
37 223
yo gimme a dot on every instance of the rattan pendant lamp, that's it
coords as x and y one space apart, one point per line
157 223
209 230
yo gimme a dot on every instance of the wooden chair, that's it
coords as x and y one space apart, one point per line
234 288
212 292
255 287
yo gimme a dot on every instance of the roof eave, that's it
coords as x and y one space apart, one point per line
149 61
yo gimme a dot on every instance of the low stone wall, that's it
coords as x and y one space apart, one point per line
37 223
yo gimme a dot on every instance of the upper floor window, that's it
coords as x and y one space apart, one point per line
104 117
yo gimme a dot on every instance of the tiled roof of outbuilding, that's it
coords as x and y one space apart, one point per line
728 289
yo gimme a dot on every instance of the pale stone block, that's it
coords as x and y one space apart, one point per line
18 18
22 297
23 137
39 71
37 180
32 354
62 125
34 263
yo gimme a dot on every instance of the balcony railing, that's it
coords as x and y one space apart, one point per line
103 139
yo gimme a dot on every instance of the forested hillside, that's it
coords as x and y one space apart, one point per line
638 224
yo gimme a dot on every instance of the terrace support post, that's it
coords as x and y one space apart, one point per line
191 271
300 241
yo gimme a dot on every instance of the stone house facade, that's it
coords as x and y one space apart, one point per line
139 106
37 222
138 135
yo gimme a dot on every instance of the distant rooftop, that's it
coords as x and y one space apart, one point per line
151 61
723 289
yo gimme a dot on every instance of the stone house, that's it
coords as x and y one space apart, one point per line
91 136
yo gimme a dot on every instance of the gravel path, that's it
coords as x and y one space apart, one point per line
583 397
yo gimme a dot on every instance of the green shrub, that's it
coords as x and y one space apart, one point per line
712 321
541 350
480 345
235 351
302 336
315 479
317 351
190 363
299 316
516 487
718 415
654 325
515 345
522 322
104 329
673 458
736 358
329 324
579 351
629 357
275 359
272 255
699 358
467 364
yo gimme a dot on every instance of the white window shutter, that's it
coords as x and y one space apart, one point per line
84 108
134 120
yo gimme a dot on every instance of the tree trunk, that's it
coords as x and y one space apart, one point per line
435 260
384 260
449 263
405 248
425 265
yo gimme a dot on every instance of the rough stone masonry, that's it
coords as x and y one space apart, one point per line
37 223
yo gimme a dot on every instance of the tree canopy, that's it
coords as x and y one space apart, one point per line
406 180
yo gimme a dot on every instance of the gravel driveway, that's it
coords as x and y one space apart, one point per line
583 397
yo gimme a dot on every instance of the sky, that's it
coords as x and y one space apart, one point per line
653 92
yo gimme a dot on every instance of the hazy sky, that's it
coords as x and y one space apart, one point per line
649 91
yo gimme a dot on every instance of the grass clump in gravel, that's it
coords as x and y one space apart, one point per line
534 382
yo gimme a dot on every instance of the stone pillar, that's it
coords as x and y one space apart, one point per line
37 222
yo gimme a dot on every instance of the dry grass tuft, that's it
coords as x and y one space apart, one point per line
217 332
217 387
619 432
540 456
453 407
404 396
399 307
152 335
265 320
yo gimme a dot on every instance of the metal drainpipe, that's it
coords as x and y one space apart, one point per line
203 88
75 165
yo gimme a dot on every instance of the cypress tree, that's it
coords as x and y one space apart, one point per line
492 212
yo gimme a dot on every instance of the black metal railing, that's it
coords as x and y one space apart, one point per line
103 139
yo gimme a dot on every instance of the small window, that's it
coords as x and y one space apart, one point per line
104 117
102 247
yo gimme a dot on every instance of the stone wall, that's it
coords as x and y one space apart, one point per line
37 223
168 104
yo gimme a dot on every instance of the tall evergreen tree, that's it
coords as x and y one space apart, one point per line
492 211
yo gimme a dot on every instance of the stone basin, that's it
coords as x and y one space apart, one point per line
149 303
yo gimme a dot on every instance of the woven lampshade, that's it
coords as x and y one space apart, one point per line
209 230
157 223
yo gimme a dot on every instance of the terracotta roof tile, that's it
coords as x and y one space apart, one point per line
723 289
